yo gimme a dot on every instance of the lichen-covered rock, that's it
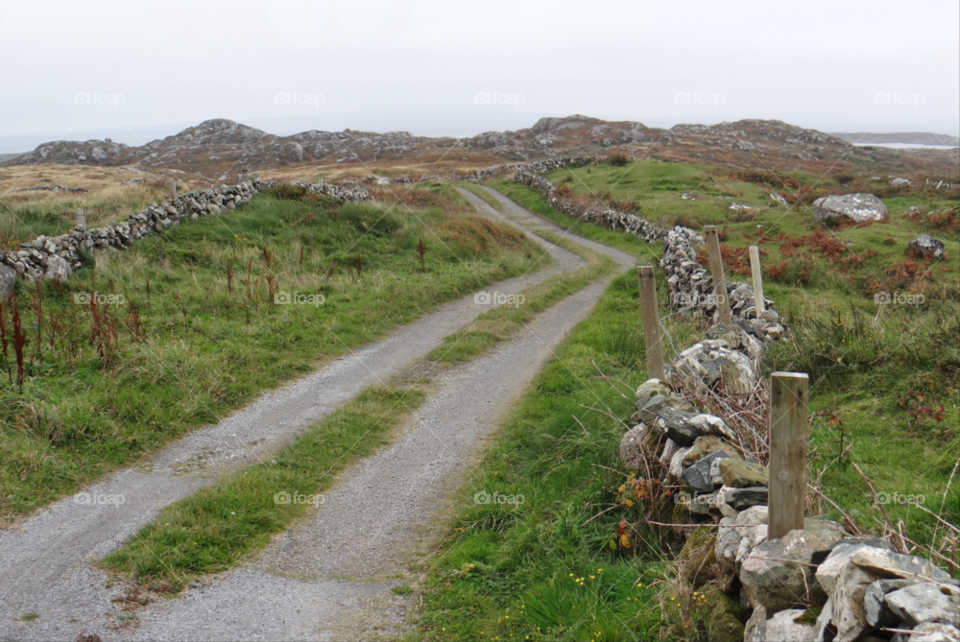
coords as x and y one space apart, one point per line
856 207
776 574
924 246
784 627
743 474
925 602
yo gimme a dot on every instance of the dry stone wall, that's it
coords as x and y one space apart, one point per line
815 584
56 257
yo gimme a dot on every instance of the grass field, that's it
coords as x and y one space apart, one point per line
535 569
186 328
878 377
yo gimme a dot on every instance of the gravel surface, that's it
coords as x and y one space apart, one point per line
372 518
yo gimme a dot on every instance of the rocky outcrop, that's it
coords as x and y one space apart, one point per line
855 207
53 188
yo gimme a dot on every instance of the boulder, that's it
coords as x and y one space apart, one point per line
856 207
829 570
924 246
899 182
743 474
925 602
784 627
775 573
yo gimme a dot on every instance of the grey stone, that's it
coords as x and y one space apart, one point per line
8 281
697 477
888 564
856 207
783 627
775 573
925 602
743 498
726 551
925 245
57 268
877 612
631 447
935 632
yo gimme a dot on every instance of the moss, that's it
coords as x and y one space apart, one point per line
809 617
698 560
725 617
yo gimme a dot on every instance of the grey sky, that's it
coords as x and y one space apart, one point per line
149 69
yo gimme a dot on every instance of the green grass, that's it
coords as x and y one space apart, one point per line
183 350
533 201
212 529
862 367
483 194
498 324
516 559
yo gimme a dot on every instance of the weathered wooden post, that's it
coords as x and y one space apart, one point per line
788 452
651 321
757 278
173 190
82 218
716 267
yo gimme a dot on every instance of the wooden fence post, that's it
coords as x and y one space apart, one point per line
173 189
788 452
716 267
651 321
757 278
82 218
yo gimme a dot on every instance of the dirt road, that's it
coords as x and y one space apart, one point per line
328 578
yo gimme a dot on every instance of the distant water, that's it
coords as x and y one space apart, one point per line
905 145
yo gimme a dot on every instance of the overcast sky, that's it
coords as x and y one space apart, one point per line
135 71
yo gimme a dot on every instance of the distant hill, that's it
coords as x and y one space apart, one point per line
907 138
219 149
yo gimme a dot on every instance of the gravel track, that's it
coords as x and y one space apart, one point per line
373 518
